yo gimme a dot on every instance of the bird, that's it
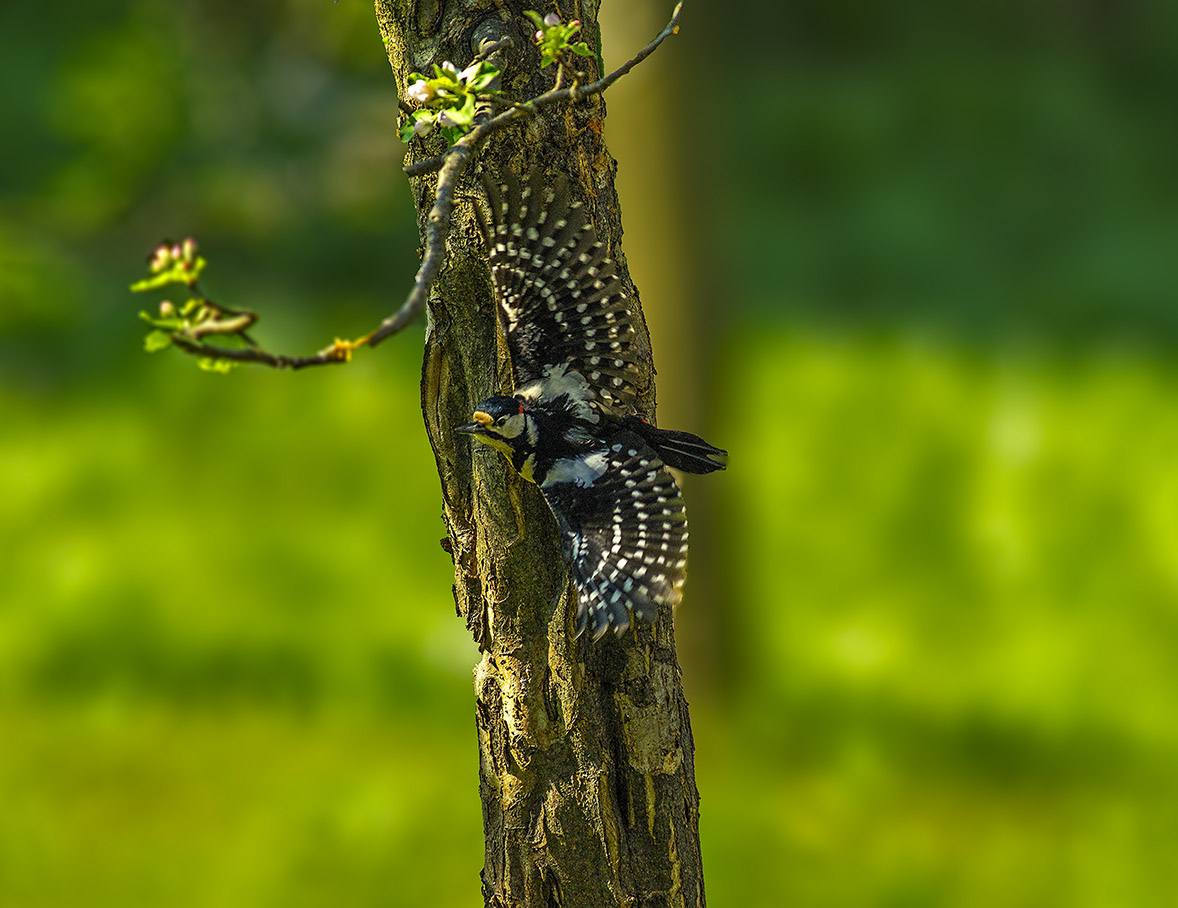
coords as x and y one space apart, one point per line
571 425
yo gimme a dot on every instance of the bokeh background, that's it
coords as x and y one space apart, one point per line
912 263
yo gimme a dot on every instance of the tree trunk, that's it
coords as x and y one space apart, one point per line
586 761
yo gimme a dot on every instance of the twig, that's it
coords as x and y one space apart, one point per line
339 352
494 48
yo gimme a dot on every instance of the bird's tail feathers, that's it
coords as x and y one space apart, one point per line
681 450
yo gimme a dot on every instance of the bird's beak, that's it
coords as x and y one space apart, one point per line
478 427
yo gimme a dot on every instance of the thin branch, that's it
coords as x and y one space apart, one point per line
491 49
339 352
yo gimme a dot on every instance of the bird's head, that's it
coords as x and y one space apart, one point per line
501 423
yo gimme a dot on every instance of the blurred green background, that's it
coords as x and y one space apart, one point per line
913 265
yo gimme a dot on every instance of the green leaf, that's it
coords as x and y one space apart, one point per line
418 116
156 340
581 49
443 78
464 115
535 17
484 77
221 366
164 324
174 275
155 281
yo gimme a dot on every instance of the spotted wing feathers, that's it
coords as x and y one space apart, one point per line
559 297
624 534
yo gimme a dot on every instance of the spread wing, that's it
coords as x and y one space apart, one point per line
624 530
560 302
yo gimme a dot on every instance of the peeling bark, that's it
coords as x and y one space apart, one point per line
586 761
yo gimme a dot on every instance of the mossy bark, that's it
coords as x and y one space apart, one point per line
586 769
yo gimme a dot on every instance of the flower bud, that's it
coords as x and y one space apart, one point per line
449 67
161 258
444 119
421 92
552 19
167 309
189 248
423 127
539 36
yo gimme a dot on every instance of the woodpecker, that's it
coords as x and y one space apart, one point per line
571 425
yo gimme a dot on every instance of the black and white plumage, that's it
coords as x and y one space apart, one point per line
571 424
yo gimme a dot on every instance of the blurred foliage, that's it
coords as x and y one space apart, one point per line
982 167
269 127
230 673
958 591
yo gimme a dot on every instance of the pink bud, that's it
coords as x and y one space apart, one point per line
423 127
552 19
167 309
539 36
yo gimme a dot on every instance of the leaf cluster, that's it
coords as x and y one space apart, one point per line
554 38
194 319
448 99
172 263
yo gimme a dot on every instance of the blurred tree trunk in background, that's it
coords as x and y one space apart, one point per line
665 182
587 773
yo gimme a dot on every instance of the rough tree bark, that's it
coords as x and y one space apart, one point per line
587 773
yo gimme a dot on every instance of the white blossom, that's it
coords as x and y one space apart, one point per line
421 92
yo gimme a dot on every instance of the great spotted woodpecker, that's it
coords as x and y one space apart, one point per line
571 426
